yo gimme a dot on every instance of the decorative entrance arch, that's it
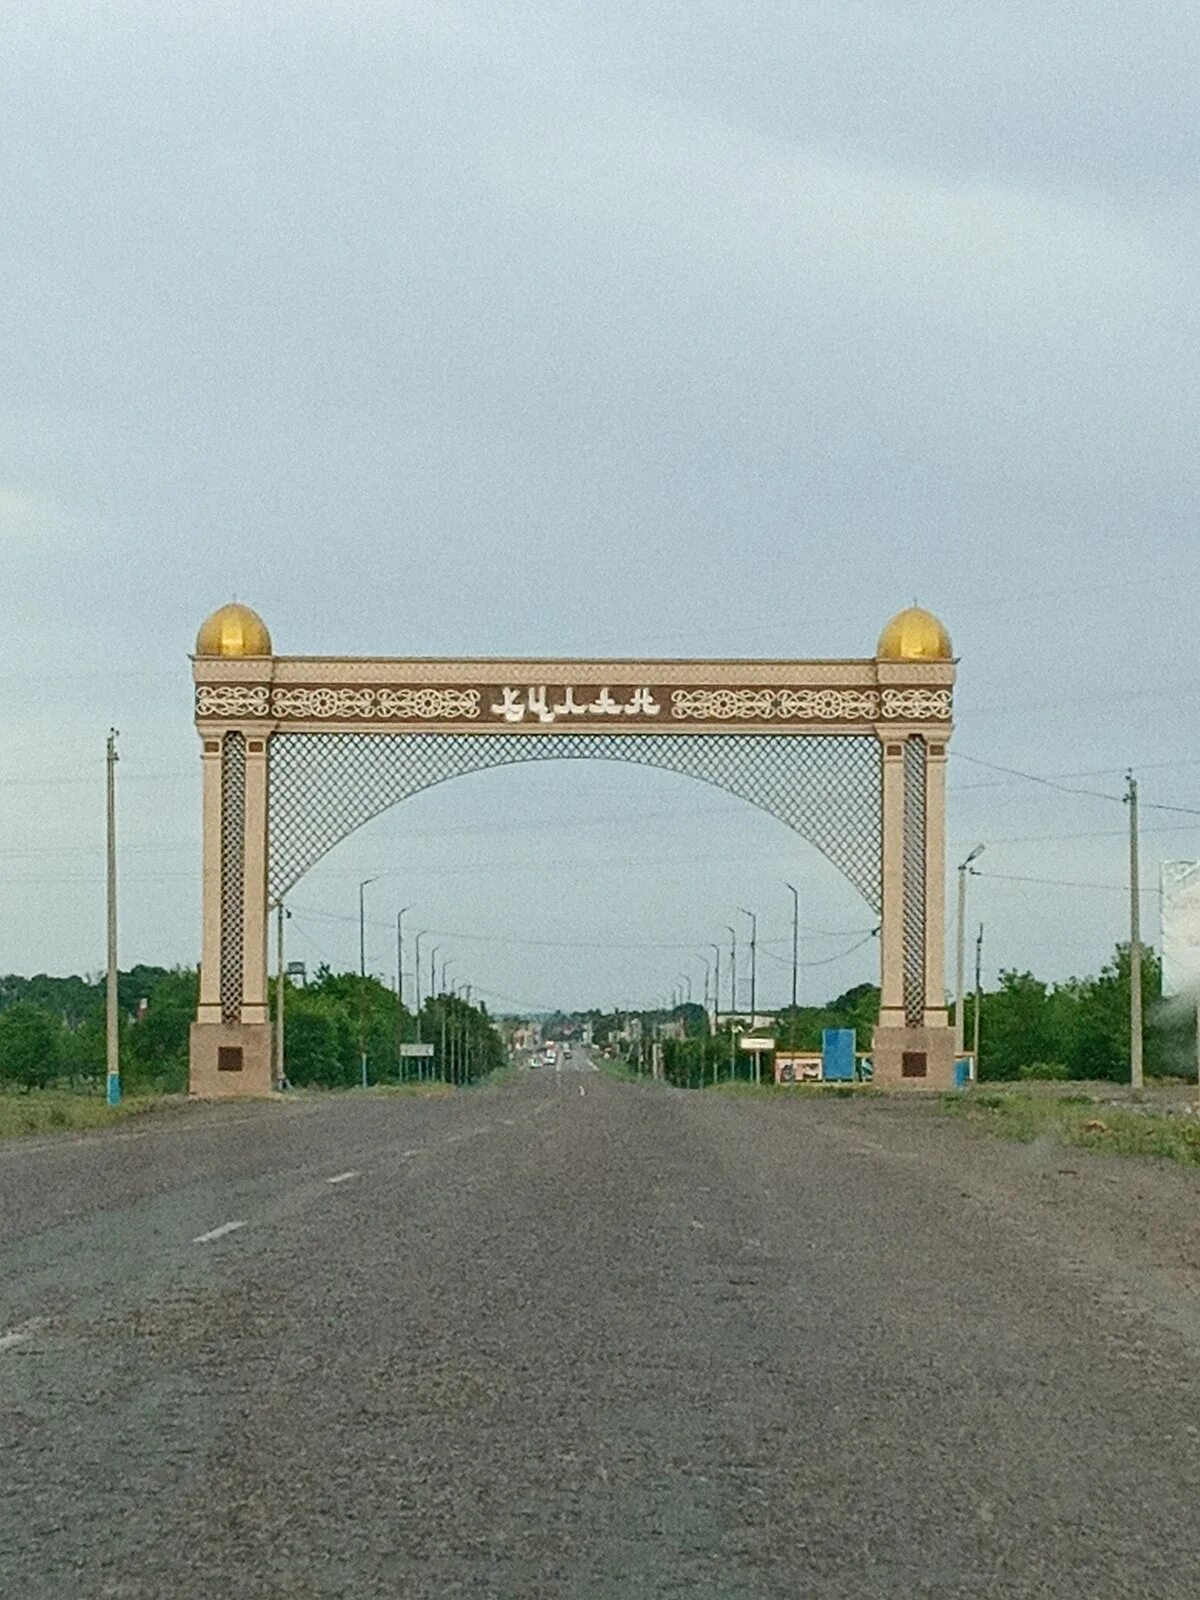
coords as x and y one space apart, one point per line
298 751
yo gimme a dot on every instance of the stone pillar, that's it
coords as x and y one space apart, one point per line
913 1045
230 1043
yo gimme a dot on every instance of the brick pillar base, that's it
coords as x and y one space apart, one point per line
913 1058
230 1060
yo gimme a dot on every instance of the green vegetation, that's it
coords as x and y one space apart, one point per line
1078 1120
1079 1029
52 1042
65 1110
338 1015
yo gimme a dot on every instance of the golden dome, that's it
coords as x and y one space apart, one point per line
234 630
914 635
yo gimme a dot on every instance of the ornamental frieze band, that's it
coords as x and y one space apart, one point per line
547 705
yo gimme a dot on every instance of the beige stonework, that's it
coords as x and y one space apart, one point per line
230 1061
256 695
927 1053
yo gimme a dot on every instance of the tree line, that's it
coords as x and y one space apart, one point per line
1029 1028
52 1030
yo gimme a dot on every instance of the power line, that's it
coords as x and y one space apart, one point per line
1060 883
1033 777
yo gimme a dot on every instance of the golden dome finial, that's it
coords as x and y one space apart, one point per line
234 630
914 635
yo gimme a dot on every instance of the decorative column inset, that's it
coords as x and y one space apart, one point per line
233 874
914 881
935 884
891 933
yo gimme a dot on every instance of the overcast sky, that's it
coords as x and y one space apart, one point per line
614 327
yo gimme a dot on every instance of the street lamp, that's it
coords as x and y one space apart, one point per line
424 933
795 938
964 867
400 915
400 991
716 950
732 932
362 969
753 915
707 964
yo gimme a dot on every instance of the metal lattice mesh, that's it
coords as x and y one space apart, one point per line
233 872
914 882
324 785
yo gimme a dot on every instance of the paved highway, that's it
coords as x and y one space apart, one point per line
571 1338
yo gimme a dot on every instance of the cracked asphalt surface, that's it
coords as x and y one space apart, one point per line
625 1342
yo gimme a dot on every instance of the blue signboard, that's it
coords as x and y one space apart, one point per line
837 1055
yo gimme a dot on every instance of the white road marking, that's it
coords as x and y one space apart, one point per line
343 1177
218 1233
20 1335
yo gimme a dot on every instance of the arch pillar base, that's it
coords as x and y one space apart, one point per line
230 1061
913 1058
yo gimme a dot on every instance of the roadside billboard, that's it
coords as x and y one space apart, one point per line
797 1067
1180 928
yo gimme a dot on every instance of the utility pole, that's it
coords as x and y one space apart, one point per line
280 985
978 1004
795 941
960 970
1135 943
112 1040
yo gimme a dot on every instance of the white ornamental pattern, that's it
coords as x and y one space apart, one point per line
791 705
355 705
232 700
917 705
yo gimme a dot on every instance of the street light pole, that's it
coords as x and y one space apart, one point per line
795 940
362 971
753 915
112 1028
964 867
716 950
433 955
400 991
978 1003
732 932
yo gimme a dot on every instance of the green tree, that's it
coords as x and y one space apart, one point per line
30 1043
155 1045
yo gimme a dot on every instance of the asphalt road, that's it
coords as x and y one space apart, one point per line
573 1338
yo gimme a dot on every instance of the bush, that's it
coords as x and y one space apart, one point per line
1055 1071
29 1045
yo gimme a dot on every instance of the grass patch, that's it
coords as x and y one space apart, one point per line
1079 1120
621 1071
69 1111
